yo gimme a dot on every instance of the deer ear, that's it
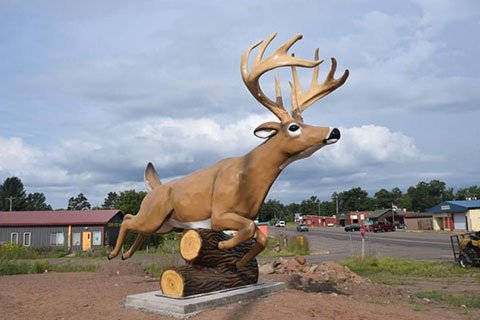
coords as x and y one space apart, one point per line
267 130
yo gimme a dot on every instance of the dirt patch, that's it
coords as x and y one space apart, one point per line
101 295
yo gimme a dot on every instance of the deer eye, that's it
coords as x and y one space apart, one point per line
294 129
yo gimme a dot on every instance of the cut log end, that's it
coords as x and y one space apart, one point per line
190 245
172 283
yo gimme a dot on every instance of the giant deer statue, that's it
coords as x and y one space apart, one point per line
229 194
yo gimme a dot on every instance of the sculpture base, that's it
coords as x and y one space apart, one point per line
156 302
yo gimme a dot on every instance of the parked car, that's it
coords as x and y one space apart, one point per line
380 227
302 228
280 224
402 226
352 227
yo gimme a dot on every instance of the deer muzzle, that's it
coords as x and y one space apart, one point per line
333 136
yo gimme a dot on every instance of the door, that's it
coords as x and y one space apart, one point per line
459 221
86 240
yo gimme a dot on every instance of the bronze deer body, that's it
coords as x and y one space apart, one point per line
229 194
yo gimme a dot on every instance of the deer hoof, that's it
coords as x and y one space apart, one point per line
110 257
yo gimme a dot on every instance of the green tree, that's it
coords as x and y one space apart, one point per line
110 200
36 202
272 210
354 199
327 208
472 192
383 199
129 201
310 206
12 193
428 194
291 209
79 202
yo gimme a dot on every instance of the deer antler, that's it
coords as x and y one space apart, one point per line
301 101
279 58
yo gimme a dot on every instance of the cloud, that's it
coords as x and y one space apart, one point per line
102 161
15 155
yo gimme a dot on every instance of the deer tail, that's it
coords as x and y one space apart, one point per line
151 177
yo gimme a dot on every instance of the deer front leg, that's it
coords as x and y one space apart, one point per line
246 230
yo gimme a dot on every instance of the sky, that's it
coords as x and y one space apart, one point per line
91 91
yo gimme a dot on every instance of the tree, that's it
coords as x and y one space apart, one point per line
110 200
129 201
328 208
271 210
310 206
354 199
36 202
79 202
426 195
291 209
12 193
383 199
472 193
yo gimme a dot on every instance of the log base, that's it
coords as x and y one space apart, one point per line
208 268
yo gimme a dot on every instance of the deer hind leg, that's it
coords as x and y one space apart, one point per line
121 237
246 230
153 211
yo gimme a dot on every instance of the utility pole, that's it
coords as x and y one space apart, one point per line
11 201
393 214
336 202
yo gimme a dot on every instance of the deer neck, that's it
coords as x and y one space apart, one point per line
265 162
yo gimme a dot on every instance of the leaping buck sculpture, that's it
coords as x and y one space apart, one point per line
229 194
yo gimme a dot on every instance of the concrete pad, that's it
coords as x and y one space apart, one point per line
158 303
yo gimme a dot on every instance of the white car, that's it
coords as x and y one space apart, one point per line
280 224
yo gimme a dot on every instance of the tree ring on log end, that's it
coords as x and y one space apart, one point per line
172 284
190 245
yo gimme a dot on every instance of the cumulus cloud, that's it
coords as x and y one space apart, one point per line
15 155
180 146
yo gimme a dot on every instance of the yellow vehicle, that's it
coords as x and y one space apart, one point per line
466 248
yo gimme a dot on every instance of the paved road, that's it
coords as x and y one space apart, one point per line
336 244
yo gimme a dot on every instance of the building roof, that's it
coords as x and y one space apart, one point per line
455 206
381 212
56 218
413 215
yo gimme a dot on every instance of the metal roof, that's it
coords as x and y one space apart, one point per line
455 206
55 218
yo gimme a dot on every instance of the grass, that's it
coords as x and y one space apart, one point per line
457 300
391 270
15 251
289 246
12 267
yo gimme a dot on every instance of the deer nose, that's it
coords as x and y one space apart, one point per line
334 134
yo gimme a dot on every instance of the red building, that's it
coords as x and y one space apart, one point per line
352 217
319 221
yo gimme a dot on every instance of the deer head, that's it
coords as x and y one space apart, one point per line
294 138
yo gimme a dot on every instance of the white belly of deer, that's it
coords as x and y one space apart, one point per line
202 224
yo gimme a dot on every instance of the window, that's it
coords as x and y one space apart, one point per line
56 239
76 239
97 238
27 236
14 238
